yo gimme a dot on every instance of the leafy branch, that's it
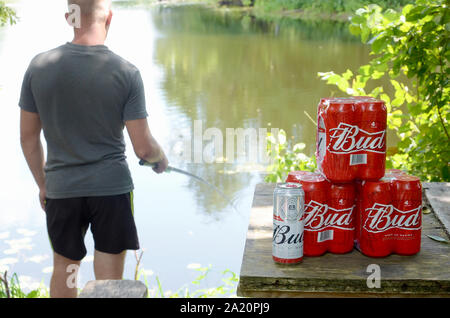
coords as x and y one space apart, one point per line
410 50
7 15
286 159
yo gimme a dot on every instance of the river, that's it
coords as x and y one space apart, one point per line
219 68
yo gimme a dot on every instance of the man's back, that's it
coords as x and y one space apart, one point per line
83 95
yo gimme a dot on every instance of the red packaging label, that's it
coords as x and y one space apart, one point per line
329 214
351 138
389 215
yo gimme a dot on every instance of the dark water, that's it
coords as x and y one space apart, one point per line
224 68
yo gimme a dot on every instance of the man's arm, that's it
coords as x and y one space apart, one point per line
144 144
30 140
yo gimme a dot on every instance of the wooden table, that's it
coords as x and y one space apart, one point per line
426 274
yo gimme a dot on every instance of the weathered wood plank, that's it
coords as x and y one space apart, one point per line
438 196
424 274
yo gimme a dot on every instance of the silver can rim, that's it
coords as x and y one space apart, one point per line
289 185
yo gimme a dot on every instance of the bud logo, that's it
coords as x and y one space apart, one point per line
320 216
282 234
347 139
383 217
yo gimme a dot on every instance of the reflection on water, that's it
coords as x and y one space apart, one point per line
231 71
228 70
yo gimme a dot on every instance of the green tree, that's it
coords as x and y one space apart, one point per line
411 49
7 15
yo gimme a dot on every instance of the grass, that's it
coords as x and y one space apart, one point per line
10 287
227 288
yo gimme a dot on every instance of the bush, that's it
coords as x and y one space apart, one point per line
410 48
328 6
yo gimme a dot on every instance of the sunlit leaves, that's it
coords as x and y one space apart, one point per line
380 44
285 158
338 80
7 15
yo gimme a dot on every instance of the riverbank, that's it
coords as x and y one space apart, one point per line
301 15
324 10
256 11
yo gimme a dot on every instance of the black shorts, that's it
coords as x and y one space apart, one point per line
110 217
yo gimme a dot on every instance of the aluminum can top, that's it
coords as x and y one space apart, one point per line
410 186
288 189
289 186
382 185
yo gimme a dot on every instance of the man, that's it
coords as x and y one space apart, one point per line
82 96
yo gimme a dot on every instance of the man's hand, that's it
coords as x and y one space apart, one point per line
145 145
162 165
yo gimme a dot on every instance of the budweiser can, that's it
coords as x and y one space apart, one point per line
288 215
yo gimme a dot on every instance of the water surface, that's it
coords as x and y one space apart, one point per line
228 70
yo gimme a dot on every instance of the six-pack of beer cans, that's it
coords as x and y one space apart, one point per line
351 201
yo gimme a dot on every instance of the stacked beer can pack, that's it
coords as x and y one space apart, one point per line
351 200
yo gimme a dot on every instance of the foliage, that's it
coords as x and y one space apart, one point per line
10 288
330 6
284 159
7 15
411 49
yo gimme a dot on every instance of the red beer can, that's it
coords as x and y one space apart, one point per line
342 202
407 192
335 118
371 118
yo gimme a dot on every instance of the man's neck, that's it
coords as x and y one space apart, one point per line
89 37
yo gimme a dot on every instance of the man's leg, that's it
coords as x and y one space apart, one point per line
108 266
66 226
63 283
114 231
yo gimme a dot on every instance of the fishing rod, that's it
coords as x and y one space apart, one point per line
169 169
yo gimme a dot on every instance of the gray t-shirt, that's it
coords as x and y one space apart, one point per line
84 95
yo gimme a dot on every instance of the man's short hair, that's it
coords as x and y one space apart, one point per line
92 10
